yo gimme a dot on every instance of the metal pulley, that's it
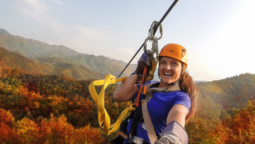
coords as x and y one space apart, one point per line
154 47
153 30
152 33
153 38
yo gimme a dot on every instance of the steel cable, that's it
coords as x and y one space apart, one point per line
155 30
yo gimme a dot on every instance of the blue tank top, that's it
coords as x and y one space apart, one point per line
159 107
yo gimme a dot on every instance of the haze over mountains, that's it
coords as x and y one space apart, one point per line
57 59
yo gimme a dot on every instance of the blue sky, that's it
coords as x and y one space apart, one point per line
219 35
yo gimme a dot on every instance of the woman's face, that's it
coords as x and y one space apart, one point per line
169 69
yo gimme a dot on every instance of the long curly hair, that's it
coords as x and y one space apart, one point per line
187 85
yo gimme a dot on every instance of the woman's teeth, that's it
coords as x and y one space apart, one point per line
167 74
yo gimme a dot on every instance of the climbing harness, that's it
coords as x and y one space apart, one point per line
103 117
141 114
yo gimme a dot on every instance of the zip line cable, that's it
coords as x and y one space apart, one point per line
170 8
103 116
156 28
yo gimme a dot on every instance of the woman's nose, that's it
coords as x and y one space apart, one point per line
168 67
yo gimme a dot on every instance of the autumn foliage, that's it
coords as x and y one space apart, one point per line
50 109
225 113
43 108
53 130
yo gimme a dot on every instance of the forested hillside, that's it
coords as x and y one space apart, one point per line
61 59
10 59
49 109
226 112
230 92
45 108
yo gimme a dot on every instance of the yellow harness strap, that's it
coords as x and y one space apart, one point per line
103 117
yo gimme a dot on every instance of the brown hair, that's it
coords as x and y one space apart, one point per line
186 84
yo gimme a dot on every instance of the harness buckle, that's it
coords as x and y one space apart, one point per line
137 140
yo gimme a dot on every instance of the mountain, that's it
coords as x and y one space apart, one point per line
11 59
32 48
62 56
232 92
199 81
14 60
78 72
100 64
4 32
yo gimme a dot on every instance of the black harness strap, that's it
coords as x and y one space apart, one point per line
138 115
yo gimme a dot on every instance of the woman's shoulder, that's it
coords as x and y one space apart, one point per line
183 99
182 94
152 82
178 93
149 83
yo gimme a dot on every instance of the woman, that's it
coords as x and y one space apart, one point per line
171 108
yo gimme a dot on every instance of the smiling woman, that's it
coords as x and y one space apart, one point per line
169 70
172 104
172 63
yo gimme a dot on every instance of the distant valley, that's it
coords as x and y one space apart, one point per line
31 54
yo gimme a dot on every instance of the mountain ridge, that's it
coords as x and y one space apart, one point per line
231 92
10 59
52 54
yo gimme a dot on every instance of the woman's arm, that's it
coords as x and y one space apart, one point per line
178 113
126 90
174 131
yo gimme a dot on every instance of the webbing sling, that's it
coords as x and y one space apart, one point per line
147 120
142 112
146 116
103 117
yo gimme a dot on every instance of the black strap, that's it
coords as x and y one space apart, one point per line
136 119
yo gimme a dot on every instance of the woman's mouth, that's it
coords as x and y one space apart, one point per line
167 74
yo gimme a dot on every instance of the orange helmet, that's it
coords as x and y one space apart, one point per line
175 51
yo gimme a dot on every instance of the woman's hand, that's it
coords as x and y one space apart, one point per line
145 60
127 88
174 133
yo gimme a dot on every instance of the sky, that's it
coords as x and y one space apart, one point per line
219 35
